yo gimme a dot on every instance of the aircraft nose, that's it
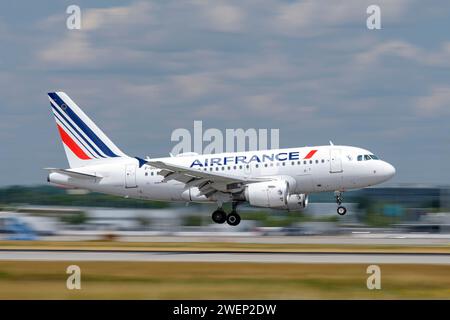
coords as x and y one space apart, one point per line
388 170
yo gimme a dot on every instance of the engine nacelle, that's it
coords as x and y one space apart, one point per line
269 194
297 201
274 194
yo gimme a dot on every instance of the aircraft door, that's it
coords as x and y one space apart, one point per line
335 161
130 176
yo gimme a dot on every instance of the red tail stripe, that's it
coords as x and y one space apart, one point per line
310 154
68 141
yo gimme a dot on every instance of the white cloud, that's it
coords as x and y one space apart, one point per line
115 18
313 17
436 103
79 47
398 48
74 49
223 16
388 48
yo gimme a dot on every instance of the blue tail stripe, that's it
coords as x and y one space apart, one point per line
95 139
78 132
69 130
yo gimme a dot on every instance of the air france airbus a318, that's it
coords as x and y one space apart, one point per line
279 179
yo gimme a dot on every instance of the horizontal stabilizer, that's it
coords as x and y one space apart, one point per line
74 174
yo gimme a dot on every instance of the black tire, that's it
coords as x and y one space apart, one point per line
219 216
341 210
233 219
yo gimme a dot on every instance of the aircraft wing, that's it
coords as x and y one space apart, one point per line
208 182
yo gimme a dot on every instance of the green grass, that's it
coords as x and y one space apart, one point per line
179 280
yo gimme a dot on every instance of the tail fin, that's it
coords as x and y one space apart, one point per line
83 141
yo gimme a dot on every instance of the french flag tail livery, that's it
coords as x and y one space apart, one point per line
83 141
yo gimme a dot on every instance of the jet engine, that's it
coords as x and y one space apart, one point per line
274 194
297 201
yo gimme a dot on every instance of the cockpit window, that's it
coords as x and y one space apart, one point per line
366 157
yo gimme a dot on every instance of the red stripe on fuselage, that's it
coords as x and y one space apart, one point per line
68 141
310 154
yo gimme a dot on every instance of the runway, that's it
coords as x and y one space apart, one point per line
251 237
232 257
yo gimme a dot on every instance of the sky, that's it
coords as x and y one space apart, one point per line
312 69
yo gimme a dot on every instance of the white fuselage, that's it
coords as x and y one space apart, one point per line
309 170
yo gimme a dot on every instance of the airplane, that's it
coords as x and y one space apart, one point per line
278 179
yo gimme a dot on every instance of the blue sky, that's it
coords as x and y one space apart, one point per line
312 69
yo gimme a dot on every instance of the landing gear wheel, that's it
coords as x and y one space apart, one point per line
341 210
233 219
219 216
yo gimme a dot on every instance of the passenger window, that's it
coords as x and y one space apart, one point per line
317 161
304 162
323 161
257 165
310 161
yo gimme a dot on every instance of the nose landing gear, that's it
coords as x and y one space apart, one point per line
341 210
233 218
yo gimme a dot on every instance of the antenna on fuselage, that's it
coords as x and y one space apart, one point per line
331 143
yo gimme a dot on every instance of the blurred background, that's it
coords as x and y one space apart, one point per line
51 213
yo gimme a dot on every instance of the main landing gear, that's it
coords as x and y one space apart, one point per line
233 218
341 210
